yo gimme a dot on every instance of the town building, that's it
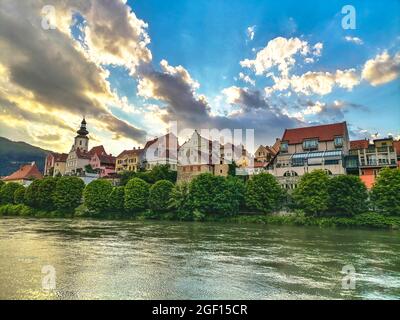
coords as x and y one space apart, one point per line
265 154
161 151
306 149
25 175
103 164
55 164
200 155
129 160
80 156
194 158
367 158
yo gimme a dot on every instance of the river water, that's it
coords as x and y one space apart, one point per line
88 259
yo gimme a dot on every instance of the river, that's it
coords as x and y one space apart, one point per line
91 259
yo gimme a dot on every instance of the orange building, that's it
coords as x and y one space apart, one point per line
371 157
25 175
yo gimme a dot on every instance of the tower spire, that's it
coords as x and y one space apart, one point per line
82 130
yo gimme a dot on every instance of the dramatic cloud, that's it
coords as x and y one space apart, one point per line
48 78
355 40
280 52
326 112
175 87
382 69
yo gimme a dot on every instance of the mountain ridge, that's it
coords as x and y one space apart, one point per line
13 154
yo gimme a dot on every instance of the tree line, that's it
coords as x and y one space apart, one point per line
317 194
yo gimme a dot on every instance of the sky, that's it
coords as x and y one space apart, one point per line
133 68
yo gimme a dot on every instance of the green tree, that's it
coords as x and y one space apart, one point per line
97 194
45 193
180 201
2 183
116 202
7 192
213 194
385 193
263 193
19 195
160 194
68 193
125 176
311 194
136 195
32 194
347 195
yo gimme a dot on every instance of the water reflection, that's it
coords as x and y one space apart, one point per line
167 260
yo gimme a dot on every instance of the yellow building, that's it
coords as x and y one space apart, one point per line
129 160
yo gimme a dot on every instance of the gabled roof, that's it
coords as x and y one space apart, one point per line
24 173
99 150
131 153
165 138
59 157
107 159
359 144
326 132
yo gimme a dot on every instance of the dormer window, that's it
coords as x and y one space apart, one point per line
310 144
338 142
284 147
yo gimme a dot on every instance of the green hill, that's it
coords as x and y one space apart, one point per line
14 154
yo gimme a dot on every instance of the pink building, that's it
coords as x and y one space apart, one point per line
103 163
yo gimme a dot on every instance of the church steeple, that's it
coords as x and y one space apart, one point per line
81 140
83 131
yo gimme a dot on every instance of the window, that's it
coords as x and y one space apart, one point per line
338 142
310 144
284 147
290 174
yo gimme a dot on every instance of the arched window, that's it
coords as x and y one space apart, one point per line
290 174
328 172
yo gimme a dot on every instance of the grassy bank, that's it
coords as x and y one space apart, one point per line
365 220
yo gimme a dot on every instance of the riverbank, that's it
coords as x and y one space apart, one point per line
365 220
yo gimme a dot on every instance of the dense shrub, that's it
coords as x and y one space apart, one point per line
213 194
97 194
45 193
159 172
347 195
19 195
136 195
385 193
68 193
2 183
311 194
179 201
32 194
160 194
116 202
7 192
263 193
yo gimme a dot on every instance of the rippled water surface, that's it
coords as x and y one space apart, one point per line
171 260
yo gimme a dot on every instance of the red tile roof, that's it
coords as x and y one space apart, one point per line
60 157
323 133
359 144
107 159
99 150
24 173
133 152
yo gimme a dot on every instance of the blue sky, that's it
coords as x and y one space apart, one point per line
209 39
132 67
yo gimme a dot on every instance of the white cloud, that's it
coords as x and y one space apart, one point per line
355 40
247 79
251 31
280 52
382 69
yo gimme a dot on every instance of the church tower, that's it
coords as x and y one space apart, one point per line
82 140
